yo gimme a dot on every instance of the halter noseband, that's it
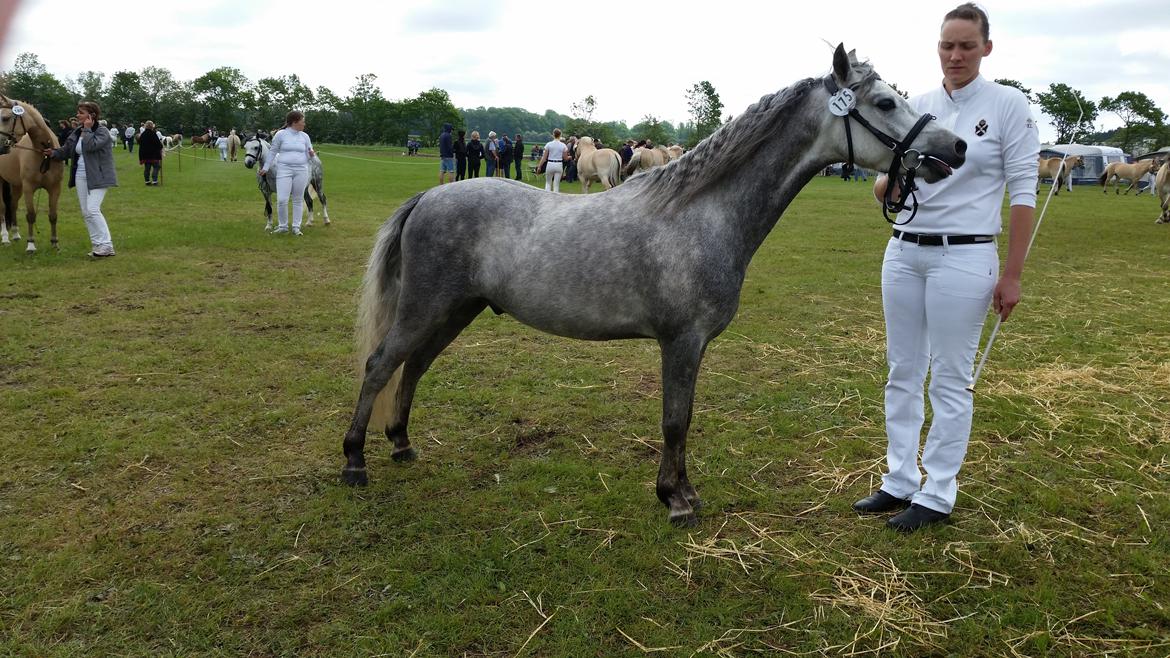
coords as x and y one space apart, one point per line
842 104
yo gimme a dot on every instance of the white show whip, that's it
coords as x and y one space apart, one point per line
1035 230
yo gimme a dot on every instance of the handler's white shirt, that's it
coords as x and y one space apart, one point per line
1003 147
290 148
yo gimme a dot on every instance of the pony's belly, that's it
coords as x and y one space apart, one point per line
581 323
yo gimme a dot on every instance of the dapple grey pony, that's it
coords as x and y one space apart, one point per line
256 151
661 256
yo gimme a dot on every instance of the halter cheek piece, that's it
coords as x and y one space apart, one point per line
18 112
842 105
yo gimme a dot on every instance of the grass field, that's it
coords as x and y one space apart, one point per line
172 422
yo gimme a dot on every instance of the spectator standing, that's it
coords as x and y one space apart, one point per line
493 154
518 155
506 156
129 134
461 156
446 156
150 153
475 153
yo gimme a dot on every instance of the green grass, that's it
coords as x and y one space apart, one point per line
172 422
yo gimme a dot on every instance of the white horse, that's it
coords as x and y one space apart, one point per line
603 166
256 152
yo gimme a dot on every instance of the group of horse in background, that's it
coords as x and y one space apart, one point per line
604 166
1058 169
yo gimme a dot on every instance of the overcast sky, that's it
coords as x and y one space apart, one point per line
639 59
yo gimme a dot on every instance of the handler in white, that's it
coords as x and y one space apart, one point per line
939 274
290 153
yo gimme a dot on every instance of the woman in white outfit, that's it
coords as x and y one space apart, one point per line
552 161
941 272
290 153
91 148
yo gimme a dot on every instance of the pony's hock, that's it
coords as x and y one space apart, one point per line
661 256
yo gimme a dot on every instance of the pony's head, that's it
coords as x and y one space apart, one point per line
253 149
13 123
887 134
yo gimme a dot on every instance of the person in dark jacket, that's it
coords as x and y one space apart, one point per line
518 155
150 150
92 149
627 152
461 156
475 153
446 156
506 156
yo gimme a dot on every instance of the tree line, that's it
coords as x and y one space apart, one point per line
225 98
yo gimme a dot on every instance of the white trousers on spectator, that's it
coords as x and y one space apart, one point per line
95 222
291 181
935 300
552 176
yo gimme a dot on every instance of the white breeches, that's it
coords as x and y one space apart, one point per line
552 176
95 222
291 181
935 300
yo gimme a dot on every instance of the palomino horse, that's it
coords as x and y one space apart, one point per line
1051 168
233 144
24 170
647 158
18 121
675 151
1162 187
256 152
1116 171
603 166
662 256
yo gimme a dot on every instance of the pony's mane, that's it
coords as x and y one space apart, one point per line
730 147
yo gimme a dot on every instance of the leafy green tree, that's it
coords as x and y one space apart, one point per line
126 100
654 129
1008 82
369 111
29 81
227 96
1060 103
428 112
706 109
1138 115
89 85
275 97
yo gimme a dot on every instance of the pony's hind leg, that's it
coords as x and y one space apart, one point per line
680 368
415 367
53 199
401 341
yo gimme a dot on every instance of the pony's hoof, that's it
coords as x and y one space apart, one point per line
684 519
30 249
354 477
405 455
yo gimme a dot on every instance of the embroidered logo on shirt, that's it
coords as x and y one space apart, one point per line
981 128
1030 124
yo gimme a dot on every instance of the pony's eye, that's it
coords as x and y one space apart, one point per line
886 104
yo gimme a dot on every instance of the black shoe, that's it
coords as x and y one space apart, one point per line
916 518
879 502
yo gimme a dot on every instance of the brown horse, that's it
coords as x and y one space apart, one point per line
1051 168
1116 171
26 170
204 139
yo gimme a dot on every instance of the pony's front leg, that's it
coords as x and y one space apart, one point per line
680 368
267 213
324 206
53 199
308 208
30 217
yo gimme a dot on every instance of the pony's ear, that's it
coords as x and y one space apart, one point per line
852 56
841 66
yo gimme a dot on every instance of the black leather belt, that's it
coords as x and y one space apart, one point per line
938 240
553 160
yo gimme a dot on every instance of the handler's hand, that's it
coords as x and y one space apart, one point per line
263 172
48 153
1006 296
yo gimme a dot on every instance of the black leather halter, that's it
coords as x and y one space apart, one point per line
904 156
11 136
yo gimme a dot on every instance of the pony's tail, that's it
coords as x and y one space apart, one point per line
1102 177
615 172
378 305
